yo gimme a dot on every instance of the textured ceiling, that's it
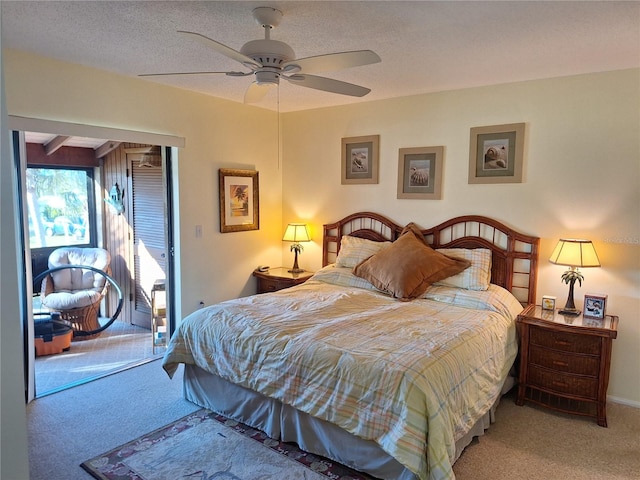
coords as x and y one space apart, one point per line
425 46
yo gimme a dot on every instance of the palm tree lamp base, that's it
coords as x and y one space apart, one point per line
570 307
295 268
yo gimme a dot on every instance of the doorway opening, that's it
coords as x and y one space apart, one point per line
105 195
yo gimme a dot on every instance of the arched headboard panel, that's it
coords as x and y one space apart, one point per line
514 254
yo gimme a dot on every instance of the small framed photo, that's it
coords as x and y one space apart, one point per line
360 159
239 200
420 173
595 305
496 154
548 302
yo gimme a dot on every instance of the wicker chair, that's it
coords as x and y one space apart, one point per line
75 292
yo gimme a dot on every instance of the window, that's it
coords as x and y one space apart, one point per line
60 206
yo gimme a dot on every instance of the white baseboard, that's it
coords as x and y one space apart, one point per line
623 401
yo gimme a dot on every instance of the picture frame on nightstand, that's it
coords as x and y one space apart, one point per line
595 305
548 302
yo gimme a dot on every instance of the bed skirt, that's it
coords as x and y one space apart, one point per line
313 435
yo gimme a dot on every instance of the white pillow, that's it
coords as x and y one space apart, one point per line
477 276
340 276
494 299
354 250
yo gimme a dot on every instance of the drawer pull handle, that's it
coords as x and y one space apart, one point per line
559 384
560 364
562 342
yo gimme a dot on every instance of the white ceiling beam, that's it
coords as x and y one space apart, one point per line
55 143
28 124
106 147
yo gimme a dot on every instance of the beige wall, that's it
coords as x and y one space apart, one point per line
582 179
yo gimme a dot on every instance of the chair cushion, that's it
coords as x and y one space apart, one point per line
66 299
72 279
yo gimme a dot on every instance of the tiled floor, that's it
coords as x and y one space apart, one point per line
118 347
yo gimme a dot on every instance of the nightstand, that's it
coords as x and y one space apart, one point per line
276 279
564 361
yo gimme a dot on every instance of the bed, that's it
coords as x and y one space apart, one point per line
359 367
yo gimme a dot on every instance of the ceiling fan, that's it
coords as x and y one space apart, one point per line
271 60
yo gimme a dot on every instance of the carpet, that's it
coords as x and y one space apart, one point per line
118 346
208 446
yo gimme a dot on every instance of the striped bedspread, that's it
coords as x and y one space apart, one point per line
397 373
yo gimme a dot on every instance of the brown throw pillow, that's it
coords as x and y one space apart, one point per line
415 229
407 268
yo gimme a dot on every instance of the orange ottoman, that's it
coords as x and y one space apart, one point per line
51 335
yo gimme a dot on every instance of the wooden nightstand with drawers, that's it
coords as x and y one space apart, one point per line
565 361
276 279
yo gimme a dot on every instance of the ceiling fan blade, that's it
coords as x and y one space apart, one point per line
328 85
231 74
224 50
332 61
256 92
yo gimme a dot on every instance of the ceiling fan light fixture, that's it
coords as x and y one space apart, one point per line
267 77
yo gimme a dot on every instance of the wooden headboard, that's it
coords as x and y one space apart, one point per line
514 254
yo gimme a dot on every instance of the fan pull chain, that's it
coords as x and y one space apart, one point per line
278 113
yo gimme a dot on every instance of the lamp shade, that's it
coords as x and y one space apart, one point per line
575 253
296 232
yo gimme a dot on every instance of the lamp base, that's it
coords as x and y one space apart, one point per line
295 268
571 313
570 309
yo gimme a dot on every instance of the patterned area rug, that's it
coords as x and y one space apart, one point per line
208 446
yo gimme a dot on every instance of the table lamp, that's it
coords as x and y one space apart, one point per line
573 253
296 233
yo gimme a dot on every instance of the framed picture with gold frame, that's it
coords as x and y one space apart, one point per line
360 159
239 200
420 173
548 302
496 153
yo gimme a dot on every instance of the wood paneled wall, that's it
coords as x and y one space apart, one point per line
118 229
65 156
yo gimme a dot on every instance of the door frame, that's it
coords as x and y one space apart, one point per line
136 183
169 145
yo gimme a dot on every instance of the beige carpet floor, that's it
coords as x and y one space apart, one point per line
532 442
119 346
527 442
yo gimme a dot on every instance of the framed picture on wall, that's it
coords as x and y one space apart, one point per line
360 159
239 200
496 154
420 173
